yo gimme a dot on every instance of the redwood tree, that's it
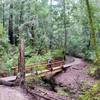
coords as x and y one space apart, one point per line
64 20
21 64
92 31
10 27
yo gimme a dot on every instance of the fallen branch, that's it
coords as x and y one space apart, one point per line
42 93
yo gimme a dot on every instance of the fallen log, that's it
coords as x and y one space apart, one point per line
7 83
8 79
42 93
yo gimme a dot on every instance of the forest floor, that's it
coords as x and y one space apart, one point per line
72 78
13 93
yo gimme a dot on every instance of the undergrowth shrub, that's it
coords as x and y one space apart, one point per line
42 58
91 94
58 53
92 71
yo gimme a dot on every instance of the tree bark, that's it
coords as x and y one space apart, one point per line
21 12
65 31
3 16
20 79
50 35
92 31
10 28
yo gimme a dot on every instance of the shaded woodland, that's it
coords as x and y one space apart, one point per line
51 47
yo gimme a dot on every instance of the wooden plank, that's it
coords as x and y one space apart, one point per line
42 73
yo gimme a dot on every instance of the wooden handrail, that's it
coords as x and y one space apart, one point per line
30 67
34 65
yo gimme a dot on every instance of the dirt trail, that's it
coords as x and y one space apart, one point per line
9 93
74 76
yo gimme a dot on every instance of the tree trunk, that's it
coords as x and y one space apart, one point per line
3 16
21 64
10 28
20 78
21 13
32 39
51 35
16 30
65 31
93 34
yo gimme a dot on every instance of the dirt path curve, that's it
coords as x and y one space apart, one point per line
74 76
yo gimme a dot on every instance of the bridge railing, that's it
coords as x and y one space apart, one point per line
30 68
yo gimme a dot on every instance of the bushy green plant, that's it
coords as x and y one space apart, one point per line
92 70
57 53
92 93
38 58
42 58
28 50
9 58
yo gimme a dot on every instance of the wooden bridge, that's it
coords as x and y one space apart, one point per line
39 91
30 70
59 66
45 72
33 68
